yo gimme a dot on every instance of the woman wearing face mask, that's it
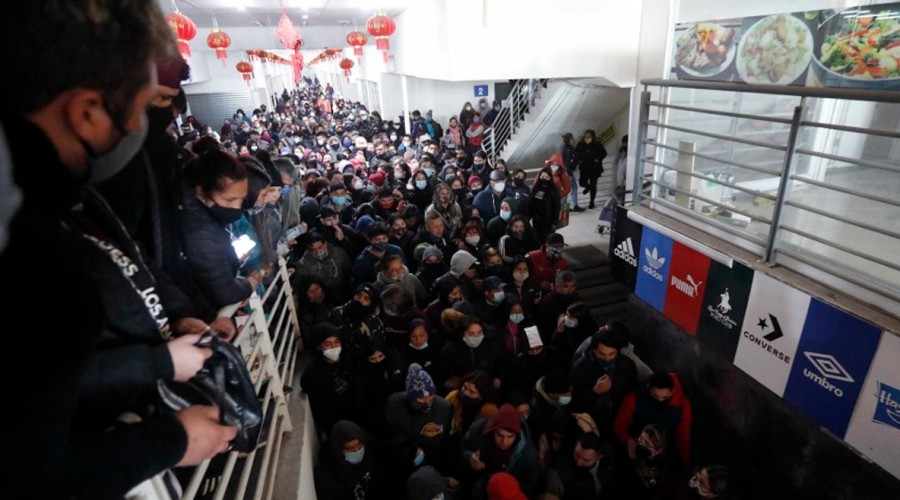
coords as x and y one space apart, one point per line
474 134
512 334
472 238
431 267
422 347
394 272
518 240
219 185
421 193
572 328
453 134
474 400
448 292
445 204
465 115
496 226
545 204
347 467
474 348
330 379
525 285
313 306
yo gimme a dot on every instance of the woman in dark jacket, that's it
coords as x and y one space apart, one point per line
422 193
219 184
518 240
589 155
545 204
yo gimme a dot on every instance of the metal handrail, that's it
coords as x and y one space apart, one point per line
508 120
774 244
786 90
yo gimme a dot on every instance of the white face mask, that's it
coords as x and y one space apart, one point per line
473 240
498 187
554 168
332 354
358 184
473 342
520 276
516 318
419 347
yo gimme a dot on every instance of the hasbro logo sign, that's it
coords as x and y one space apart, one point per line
887 411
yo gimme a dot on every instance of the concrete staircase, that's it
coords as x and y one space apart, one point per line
606 298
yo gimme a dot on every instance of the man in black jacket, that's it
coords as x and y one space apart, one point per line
589 155
64 128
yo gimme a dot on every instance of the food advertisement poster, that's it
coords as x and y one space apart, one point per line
853 48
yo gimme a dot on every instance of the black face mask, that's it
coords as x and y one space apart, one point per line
434 266
158 119
469 402
225 215
658 405
419 407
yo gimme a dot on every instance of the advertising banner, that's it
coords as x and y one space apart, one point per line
833 358
771 331
625 243
874 427
723 308
653 268
686 287
855 47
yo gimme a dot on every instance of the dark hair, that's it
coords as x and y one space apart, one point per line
257 180
205 144
609 339
483 383
590 441
315 236
104 46
398 296
661 380
210 171
619 328
377 229
417 322
387 259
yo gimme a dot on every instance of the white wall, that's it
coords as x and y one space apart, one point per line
463 40
444 99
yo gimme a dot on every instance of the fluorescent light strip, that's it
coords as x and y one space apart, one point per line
712 253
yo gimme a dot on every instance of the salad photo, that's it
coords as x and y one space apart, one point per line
864 48
775 50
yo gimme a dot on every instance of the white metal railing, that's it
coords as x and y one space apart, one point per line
509 119
804 177
269 338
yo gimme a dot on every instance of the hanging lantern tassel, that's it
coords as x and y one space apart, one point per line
185 30
246 69
219 41
346 65
381 27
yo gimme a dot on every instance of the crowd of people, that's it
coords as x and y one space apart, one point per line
450 355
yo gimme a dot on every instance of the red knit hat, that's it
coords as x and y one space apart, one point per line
473 179
171 73
378 178
506 418
504 486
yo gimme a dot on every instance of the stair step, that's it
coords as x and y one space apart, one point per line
603 294
605 313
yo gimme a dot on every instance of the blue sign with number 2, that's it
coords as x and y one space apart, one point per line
481 91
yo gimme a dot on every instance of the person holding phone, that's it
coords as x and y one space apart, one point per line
219 183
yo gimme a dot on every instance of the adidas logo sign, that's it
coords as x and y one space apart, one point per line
625 251
655 262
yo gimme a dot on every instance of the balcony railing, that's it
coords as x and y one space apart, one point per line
806 178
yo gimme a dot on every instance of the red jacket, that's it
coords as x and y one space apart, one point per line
626 427
542 269
560 178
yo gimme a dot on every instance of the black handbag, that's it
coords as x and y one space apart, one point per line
225 383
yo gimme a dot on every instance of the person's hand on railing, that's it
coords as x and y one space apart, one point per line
187 358
205 437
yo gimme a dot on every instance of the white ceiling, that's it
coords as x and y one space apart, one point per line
266 13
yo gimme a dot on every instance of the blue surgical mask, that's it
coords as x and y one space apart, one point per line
429 171
570 322
285 190
321 255
347 144
499 296
564 400
420 457
421 183
517 318
355 457
505 214
338 200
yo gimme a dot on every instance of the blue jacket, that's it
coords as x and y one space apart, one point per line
488 203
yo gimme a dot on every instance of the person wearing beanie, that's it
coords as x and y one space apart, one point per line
347 465
330 380
488 200
504 486
602 377
502 443
365 267
463 264
419 414
431 266
426 483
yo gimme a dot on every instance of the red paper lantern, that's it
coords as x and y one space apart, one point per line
357 40
381 27
185 30
346 65
246 69
219 40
